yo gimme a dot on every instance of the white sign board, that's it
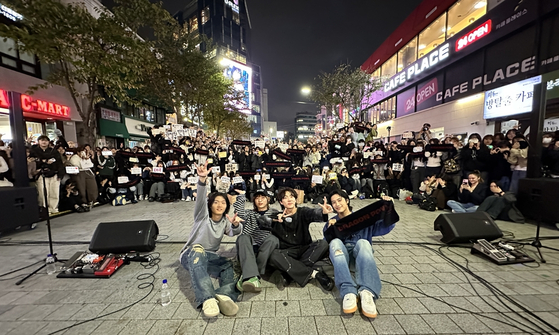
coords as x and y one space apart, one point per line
225 179
332 176
72 170
192 180
397 167
134 160
283 147
316 179
106 153
122 180
407 134
157 170
237 180
216 169
257 177
266 176
510 99
231 167
177 127
136 171
259 144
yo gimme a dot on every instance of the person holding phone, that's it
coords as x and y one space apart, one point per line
475 156
471 194
518 158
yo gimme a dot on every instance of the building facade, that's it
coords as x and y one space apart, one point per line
304 126
466 66
227 24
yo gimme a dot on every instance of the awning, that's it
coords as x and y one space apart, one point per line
138 138
112 129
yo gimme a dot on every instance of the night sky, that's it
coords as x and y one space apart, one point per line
294 40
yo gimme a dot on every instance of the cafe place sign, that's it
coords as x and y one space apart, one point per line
31 105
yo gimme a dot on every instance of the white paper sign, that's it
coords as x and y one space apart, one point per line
192 180
397 167
166 126
231 167
107 153
237 180
225 179
332 176
216 169
72 170
259 144
407 134
177 127
122 180
134 160
266 176
367 154
193 132
136 171
378 153
157 170
283 147
257 177
317 179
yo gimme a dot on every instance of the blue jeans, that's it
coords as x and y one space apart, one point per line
366 272
460 207
187 192
505 183
516 176
200 265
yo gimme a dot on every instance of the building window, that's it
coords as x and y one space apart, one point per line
407 55
205 15
463 13
389 68
387 110
10 56
236 18
193 24
432 36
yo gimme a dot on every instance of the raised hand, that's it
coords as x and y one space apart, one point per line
202 170
326 208
235 220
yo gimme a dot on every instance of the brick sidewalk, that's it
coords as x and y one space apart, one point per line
422 293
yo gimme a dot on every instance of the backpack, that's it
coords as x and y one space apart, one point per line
119 200
428 204
451 165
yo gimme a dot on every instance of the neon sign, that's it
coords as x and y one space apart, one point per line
10 13
234 4
473 35
28 104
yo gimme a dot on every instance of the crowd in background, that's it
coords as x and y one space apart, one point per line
452 173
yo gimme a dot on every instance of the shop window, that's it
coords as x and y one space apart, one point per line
407 55
464 13
432 36
193 24
389 68
387 111
205 15
150 115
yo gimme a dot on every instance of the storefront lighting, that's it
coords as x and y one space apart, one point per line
421 46
480 4
470 98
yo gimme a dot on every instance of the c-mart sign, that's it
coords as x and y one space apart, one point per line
28 104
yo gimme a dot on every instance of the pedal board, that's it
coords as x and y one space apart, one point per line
500 253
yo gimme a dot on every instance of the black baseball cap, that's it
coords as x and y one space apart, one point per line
260 192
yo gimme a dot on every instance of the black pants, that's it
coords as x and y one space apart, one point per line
298 262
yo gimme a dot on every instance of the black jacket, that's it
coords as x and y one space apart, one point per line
295 233
476 197
42 157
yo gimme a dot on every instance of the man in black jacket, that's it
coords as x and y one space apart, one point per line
49 163
297 253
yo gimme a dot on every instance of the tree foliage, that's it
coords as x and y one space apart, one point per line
348 87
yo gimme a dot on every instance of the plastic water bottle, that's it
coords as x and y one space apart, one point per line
165 294
51 267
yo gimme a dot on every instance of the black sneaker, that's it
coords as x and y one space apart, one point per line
151 199
326 282
283 281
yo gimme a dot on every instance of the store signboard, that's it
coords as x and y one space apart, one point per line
473 35
551 83
111 115
28 104
405 102
234 4
510 100
10 13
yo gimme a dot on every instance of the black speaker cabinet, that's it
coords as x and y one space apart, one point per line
466 227
18 207
538 199
124 237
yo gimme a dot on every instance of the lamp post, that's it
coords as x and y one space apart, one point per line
306 90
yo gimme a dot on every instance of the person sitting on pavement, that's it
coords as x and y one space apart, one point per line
355 249
199 255
254 246
500 205
471 194
297 254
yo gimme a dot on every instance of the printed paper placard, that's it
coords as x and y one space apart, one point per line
192 180
136 171
260 144
177 127
122 180
168 127
367 154
134 160
193 132
266 176
378 153
237 180
317 179
332 176
223 154
283 147
216 169
397 167
231 167
257 177
210 160
225 179
106 153
157 170
72 170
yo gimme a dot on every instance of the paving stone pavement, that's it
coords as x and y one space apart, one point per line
422 292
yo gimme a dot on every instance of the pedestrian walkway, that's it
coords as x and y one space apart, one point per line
422 292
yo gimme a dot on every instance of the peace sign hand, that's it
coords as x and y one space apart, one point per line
235 220
282 215
326 208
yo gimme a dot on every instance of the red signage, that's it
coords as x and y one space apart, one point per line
473 35
428 90
28 104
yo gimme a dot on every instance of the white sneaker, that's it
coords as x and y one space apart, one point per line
183 199
210 308
350 303
141 198
188 199
368 307
227 306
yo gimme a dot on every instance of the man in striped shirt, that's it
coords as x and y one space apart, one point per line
254 246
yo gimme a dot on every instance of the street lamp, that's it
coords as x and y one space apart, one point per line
306 90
